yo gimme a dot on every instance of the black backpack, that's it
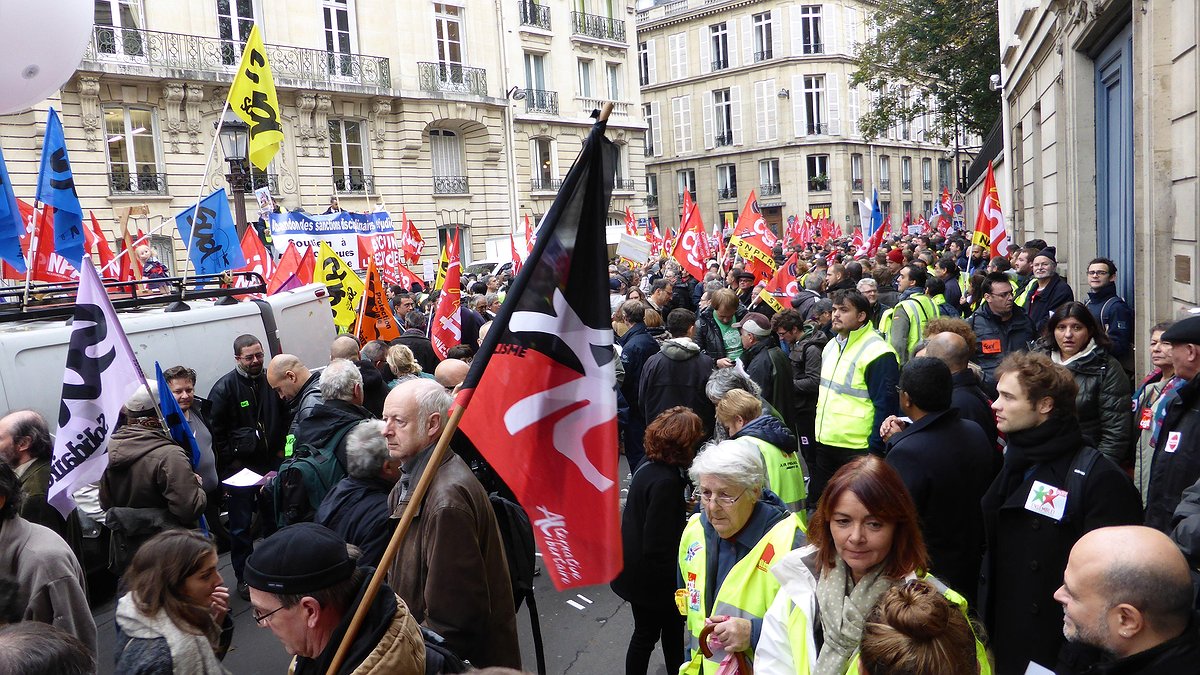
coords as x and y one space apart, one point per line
520 550
305 478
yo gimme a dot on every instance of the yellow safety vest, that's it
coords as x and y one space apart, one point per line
747 592
845 413
1023 296
985 666
924 312
785 476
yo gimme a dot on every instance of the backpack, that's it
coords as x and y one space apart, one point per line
519 550
305 478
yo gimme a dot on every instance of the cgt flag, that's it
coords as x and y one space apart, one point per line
783 286
691 247
754 240
101 374
345 288
541 391
990 231
252 98
56 187
213 245
445 328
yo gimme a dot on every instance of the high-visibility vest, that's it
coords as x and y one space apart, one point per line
845 413
747 592
985 667
1023 296
785 476
920 309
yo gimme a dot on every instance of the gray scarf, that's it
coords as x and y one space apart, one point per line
843 607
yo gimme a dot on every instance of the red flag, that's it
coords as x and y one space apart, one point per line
945 212
906 223
516 257
990 231
877 237
754 240
109 268
530 235
257 259
630 223
783 286
857 243
542 406
308 265
653 239
375 320
691 248
411 242
445 330
289 265
45 264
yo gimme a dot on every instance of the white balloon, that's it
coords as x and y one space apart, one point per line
44 42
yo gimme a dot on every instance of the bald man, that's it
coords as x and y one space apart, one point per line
1127 591
451 373
296 385
344 347
968 396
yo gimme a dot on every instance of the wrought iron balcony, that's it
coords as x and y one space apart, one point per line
762 56
885 183
768 189
120 182
624 184
652 201
598 27
150 53
818 184
812 48
450 185
355 183
541 101
726 193
927 184
856 184
720 64
452 77
265 180
723 138
533 14
545 184
818 129
906 185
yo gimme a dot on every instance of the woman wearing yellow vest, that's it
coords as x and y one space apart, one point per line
740 412
726 551
915 630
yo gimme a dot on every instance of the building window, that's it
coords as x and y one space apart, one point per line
926 207
944 175
339 37
460 230
348 158
542 152
906 205
685 181
814 104
120 23
585 78
905 125
448 27
818 173
535 71
613 76
722 117
681 122
856 172
768 177
885 172
235 18
926 174
677 53
653 129
445 153
885 207
651 190
621 170
643 64
132 151
906 174
810 30
718 40
762 36
726 181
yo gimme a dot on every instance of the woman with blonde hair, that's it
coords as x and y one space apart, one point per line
915 630
175 617
403 364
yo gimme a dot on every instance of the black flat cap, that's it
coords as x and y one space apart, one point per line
1185 331
300 558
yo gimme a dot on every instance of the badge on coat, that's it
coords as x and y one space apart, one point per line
692 550
1173 439
693 593
1147 418
1047 500
990 346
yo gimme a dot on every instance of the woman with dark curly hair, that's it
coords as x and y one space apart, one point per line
651 526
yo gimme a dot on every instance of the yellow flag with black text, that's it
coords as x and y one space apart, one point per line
252 98
345 288
443 266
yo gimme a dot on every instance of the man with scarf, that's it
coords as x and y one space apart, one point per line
1052 490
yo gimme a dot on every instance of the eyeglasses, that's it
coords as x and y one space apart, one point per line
1007 294
260 618
252 357
709 497
1097 273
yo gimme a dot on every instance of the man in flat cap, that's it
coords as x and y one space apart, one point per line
1050 291
305 585
1176 463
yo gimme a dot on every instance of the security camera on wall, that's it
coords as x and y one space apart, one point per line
995 83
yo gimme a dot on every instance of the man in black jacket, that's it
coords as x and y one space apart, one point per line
637 346
1176 463
414 338
805 341
1052 490
1048 293
249 426
968 398
1001 327
767 365
714 328
946 464
677 374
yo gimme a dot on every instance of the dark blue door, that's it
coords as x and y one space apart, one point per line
1114 158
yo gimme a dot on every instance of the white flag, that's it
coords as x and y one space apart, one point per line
101 375
864 217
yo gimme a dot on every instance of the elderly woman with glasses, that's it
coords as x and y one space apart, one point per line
725 554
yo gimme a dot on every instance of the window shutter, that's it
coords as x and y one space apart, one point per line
705 49
830 35
832 100
760 112
747 41
673 56
765 109
797 30
799 117
735 102
731 44
651 62
687 123
776 34
677 124
707 104
849 28
656 129
852 112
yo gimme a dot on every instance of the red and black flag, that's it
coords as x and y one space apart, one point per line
540 398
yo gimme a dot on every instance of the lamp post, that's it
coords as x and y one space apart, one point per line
235 136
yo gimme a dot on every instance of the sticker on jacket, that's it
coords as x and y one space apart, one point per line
1047 500
693 593
990 346
692 550
1173 439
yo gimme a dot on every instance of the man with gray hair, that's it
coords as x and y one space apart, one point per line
25 445
357 506
451 569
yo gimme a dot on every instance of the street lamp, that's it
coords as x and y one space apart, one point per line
235 136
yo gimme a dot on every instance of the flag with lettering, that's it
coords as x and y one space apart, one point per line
258 261
540 397
691 247
783 286
213 243
754 240
101 374
345 288
56 187
252 98
43 264
376 321
990 230
445 328
12 225
411 242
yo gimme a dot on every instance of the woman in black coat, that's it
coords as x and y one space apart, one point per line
651 526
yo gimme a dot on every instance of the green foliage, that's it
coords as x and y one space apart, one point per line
946 51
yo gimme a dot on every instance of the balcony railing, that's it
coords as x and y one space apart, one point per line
726 193
452 77
885 183
541 101
723 138
720 64
906 185
120 182
359 183
768 189
147 52
533 14
267 180
818 184
545 184
590 104
652 201
450 185
599 27
927 184
856 184
624 184
818 129
762 56
812 48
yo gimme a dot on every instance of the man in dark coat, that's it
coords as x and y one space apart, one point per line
1176 463
1051 491
357 506
677 374
1048 293
805 341
1111 311
1000 326
637 346
766 364
946 464
414 338
968 398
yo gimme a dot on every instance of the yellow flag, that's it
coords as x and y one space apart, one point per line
252 97
345 288
443 266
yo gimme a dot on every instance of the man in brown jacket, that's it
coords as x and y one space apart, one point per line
451 569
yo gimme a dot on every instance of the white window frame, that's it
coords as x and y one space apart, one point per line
810 29
584 79
763 30
239 27
926 173
681 123
817 164
727 179
445 16
685 179
722 102
124 48
768 172
131 163
814 105
612 77
364 149
342 67
544 168
718 45
906 172
445 155
535 71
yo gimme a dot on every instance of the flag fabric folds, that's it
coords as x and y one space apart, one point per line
12 225
101 374
783 286
98 244
990 231
755 241
445 327
288 265
443 266
541 391
252 98
376 321
691 247
213 244
345 288
306 271
56 187
411 242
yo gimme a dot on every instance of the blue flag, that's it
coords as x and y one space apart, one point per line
876 213
11 225
177 422
56 187
215 247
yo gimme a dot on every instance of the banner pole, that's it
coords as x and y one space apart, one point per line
187 260
38 207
